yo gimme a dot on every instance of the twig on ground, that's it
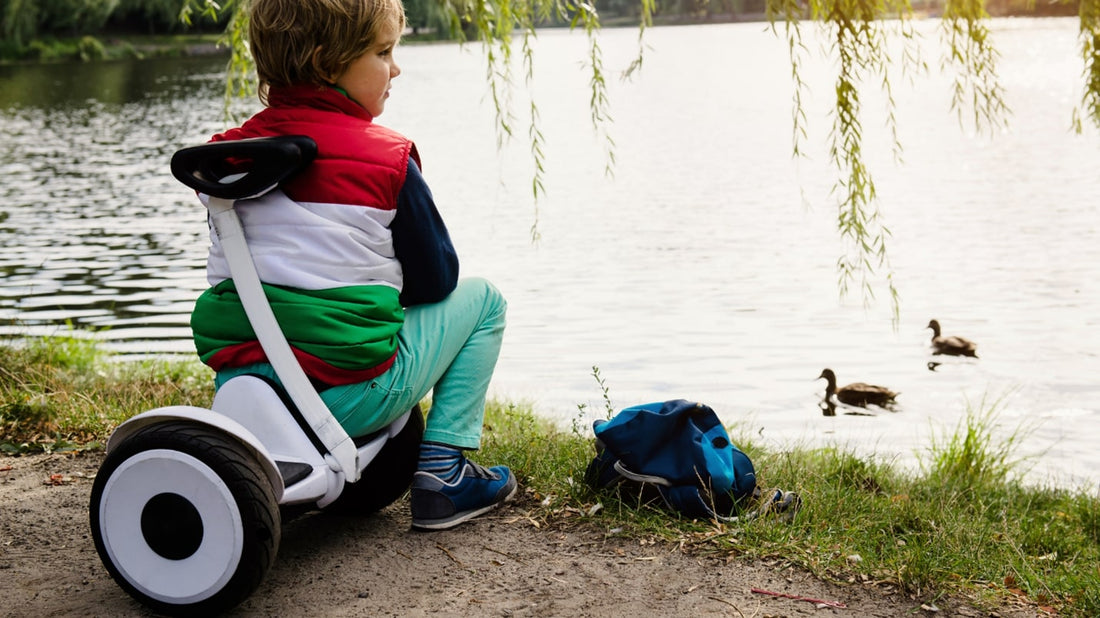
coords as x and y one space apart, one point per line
450 555
837 604
728 603
505 554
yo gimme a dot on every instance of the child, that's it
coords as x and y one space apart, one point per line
357 264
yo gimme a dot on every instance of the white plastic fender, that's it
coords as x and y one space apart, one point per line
206 417
252 402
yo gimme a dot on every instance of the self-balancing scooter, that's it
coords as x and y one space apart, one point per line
186 509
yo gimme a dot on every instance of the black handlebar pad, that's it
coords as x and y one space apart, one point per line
263 163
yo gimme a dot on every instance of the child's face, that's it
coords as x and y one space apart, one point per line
367 78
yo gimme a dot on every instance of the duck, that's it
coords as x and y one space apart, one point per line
857 393
951 345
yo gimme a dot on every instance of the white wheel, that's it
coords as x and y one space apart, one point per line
184 519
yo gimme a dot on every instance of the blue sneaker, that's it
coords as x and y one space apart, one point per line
437 505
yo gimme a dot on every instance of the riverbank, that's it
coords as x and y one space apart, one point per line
91 48
960 540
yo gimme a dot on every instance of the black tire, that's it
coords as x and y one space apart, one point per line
388 476
149 536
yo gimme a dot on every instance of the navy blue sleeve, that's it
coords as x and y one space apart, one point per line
422 244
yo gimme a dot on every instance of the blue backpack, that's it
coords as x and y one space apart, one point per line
678 450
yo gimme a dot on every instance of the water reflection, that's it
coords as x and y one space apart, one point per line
96 232
67 85
829 407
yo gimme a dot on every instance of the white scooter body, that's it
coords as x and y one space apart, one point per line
250 410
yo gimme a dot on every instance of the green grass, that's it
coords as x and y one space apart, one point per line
961 526
64 393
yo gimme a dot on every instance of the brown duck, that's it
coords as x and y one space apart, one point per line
857 393
951 345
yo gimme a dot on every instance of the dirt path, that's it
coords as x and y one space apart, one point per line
498 565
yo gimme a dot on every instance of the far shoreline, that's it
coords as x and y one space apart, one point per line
118 46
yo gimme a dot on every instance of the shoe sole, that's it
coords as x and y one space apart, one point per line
458 518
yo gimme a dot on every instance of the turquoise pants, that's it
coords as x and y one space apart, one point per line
449 348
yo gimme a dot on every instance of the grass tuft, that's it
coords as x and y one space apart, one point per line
973 455
64 393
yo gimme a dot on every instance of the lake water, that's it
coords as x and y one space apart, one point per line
703 269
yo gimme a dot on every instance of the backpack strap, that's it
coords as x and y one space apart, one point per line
660 481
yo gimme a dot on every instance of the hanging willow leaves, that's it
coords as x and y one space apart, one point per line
494 23
238 72
859 32
1089 13
969 46
860 35
789 12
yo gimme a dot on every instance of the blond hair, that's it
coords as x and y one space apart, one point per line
314 41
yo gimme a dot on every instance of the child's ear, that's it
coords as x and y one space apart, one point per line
320 70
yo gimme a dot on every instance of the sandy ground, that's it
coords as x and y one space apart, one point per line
502 564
